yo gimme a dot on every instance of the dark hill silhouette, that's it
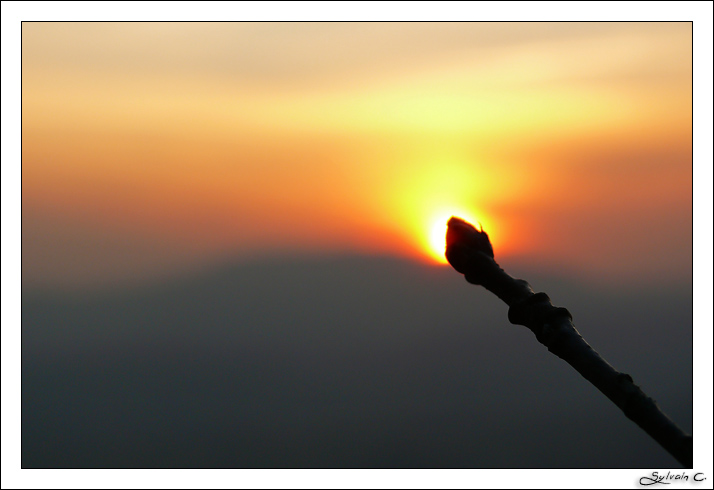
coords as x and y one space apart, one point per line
338 362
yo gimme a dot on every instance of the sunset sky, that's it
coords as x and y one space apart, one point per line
149 148
232 234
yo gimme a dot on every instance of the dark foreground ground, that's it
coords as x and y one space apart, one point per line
341 362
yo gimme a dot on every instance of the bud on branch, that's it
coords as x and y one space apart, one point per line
469 251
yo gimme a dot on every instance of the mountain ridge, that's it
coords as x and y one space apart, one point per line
342 362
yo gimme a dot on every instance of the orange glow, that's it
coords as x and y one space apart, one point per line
244 137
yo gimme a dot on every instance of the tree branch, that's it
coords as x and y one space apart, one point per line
469 251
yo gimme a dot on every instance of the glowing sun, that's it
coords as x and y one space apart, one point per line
436 238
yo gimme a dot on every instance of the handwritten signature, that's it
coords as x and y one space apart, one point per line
657 478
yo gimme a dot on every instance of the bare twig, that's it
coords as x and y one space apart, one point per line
469 251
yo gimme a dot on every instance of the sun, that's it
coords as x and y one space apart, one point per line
436 231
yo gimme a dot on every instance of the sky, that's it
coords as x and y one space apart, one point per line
266 153
154 147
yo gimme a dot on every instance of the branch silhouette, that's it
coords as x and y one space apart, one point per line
469 251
